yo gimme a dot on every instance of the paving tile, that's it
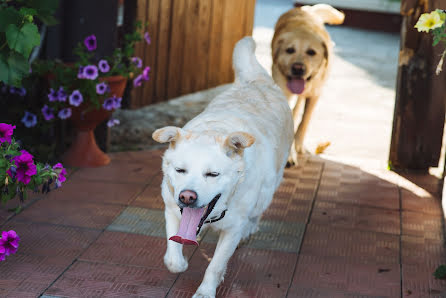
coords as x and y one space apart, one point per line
71 213
120 171
106 280
302 291
363 247
272 235
151 196
250 273
130 249
327 273
418 281
356 217
420 204
145 156
419 250
423 225
97 192
140 221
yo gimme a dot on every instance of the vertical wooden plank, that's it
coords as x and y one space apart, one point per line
202 46
215 43
176 52
160 76
190 39
139 51
150 55
249 17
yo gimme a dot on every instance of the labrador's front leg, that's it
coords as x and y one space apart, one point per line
227 243
173 259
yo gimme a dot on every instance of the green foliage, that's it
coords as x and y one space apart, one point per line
19 35
440 272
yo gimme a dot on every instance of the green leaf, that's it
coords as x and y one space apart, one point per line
9 16
25 11
4 70
23 39
13 68
45 10
440 272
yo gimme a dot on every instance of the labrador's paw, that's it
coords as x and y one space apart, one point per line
175 264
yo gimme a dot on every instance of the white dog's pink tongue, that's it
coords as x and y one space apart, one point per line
296 86
190 219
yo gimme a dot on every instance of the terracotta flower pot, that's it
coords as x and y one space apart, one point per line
84 151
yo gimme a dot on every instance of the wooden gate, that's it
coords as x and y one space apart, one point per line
192 43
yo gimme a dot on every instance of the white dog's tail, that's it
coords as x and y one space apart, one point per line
244 61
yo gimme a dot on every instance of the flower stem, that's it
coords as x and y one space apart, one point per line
440 63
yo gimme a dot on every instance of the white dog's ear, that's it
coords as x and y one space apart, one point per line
237 141
167 134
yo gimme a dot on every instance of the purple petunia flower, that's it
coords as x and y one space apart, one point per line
112 122
90 72
61 94
19 91
90 42
145 73
109 104
64 113
147 37
29 120
76 98
60 170
80 73
52 96
2 253
138 81
117 102
48 113
103 66
137 61
24 167
10 242
101 88
6 131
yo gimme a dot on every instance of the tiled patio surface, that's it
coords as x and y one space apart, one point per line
332 230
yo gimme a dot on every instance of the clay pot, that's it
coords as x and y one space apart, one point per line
84 151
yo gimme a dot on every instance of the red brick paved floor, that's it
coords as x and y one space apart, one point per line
332 230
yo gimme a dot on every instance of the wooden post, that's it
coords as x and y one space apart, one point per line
420 94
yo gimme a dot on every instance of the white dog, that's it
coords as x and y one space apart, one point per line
223 167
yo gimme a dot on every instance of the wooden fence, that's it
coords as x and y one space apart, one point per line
192 43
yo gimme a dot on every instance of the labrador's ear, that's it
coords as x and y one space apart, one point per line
167 134
324 45
276 47
237 141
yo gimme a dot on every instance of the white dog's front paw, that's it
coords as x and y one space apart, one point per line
175 264
204 292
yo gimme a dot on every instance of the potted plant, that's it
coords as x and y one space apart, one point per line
89 90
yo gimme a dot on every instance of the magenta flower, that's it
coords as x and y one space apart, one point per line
24 167
52 96
64 113
76 98
90 72
47 112
138 81
60 170
145 73
10 242
101 88
112 122
6 132
103 66
90 42
29 119
147 37
137 61
2 253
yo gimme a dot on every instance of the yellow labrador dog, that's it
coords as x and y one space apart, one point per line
223 167
302 53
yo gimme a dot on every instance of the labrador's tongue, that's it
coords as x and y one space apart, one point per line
296 86
187 234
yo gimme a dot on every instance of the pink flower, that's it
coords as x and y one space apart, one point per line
145 73
6 131
147 38
10 243
2 253
24 167
60 170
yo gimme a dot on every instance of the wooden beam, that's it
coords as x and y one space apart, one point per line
420 95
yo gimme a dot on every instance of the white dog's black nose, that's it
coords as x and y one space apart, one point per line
298 69
188 197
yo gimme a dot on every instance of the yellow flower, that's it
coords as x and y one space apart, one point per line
429 21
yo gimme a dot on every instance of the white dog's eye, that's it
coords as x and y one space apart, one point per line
181 171
290 50
311 52
212 174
